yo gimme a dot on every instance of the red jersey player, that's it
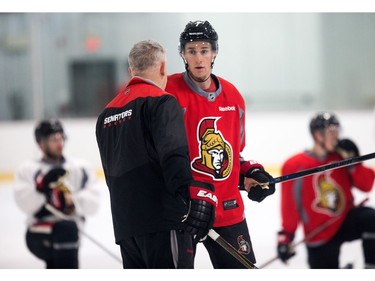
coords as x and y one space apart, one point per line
326 199
215 123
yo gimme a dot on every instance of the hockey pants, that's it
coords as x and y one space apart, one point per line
56 243
359 224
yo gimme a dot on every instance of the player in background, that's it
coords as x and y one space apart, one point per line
214 114
48 187
326 198
158 210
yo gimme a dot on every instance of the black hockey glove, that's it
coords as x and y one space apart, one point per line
347 148
50 181
285 249
54 189
258 174
254 170
201 216
258 193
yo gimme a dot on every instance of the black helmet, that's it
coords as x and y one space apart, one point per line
323 120
48 127
199 31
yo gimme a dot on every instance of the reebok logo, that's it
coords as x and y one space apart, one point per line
227 108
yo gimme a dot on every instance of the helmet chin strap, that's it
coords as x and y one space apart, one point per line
212 63
198 79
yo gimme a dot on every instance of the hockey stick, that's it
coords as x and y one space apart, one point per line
230 249
331 166
313 233
63 216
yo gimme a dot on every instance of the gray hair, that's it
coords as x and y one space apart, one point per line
145 55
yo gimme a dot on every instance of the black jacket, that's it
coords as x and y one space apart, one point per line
144 153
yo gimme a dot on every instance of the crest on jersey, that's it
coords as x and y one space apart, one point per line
330 198
216 154
243 245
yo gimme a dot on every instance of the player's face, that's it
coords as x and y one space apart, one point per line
330 137
199 57
53 146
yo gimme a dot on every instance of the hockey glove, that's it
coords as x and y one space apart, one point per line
285 250
258 193
254 170
347 149
201 216
50 181
55 191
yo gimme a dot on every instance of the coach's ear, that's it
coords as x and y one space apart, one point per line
163 75
130 71
163 68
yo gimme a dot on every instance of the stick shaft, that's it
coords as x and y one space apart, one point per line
63 216
230 249
100 245
325 225
331 166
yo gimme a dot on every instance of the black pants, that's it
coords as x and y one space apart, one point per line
238 236
160 250
58 248
359 224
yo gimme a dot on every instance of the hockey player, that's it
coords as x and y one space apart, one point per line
50 188
326 199
215 123
158 210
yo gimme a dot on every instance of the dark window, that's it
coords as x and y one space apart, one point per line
93 85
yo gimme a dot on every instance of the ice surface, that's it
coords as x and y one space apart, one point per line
263 221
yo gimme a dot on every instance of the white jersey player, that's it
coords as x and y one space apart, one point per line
56 193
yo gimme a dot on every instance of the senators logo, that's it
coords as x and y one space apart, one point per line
329 199
216 155
244 246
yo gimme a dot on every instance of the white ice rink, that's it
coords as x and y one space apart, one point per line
263 221
271 143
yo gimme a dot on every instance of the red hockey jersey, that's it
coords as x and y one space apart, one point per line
215 125
315 199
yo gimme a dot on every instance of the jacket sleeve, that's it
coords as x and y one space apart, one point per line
169 137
